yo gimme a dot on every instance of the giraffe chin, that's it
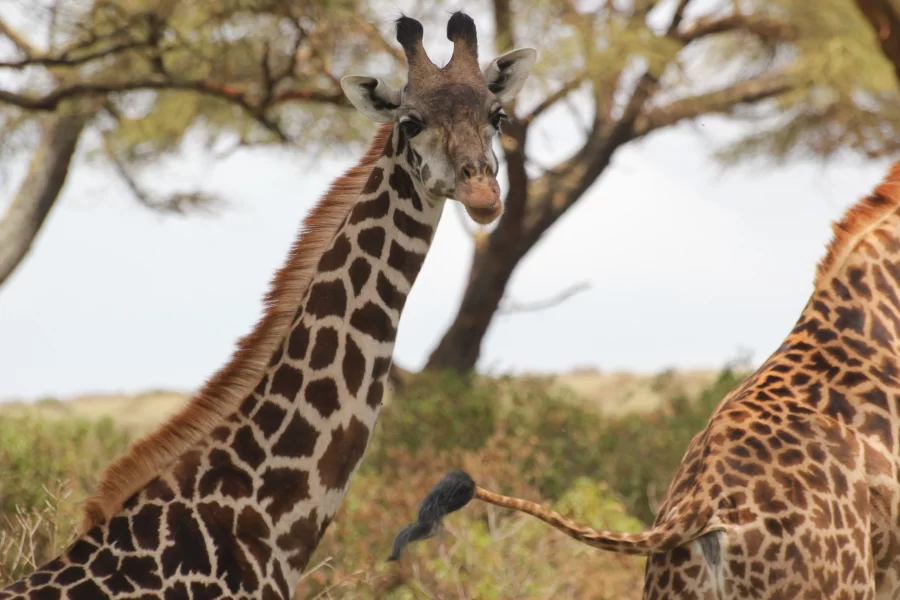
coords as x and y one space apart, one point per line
481 198
485 216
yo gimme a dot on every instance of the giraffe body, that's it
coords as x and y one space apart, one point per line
230 497
793 488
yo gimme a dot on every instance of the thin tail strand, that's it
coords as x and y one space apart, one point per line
456 489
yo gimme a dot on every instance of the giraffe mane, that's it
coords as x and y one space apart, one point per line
223 393
858 221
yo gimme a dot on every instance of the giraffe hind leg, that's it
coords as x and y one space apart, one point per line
743 563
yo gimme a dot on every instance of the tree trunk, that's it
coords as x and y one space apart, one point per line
460 347
532 208
45 179
493 261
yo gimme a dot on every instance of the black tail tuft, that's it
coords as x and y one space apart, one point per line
451 493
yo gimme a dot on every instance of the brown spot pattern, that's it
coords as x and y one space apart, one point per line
327 299
371 320
408 263
335 257
371 241
359 274
298 440
323 395
344 452
285 488
376 208
325 348
354 365
287 381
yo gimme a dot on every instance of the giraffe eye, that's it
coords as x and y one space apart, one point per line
411 128
497 117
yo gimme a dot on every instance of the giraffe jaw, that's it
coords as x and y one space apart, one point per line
481 197
485 216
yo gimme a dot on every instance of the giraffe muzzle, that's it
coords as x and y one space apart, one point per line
479 193
481 197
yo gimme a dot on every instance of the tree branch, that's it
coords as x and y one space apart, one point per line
505 37
678 16
763 27
558 190
550 100
52 100
177 202
20 42
719 101
47 172
552 301
68 61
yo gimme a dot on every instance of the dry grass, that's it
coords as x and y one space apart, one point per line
530 436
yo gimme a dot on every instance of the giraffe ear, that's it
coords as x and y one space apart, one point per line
372 97
506 75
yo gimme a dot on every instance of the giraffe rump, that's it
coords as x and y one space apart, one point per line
451 493
226 389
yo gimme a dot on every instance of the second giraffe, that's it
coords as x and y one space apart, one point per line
793 488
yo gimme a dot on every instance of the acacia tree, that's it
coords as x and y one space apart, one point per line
646 65
143 74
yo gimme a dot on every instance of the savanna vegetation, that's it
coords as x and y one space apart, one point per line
522 436
126 82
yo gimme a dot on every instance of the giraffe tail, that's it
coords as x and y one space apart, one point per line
457 489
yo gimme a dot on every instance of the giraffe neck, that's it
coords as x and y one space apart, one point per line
242 511
316 407
305 428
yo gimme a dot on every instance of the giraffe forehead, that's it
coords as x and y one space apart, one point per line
452 101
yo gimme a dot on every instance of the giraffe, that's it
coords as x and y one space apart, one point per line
793 488
229 498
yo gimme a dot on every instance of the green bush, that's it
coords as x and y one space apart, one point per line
517 436
438 411
556 435
483 552
636 455
48 467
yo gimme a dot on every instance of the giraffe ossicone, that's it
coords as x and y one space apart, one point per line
229 498
793 488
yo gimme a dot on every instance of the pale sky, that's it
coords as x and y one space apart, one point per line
687 266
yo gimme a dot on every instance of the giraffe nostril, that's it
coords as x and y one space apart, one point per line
467 171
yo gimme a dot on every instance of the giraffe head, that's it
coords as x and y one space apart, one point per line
448 117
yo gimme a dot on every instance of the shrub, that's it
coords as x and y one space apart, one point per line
636 455
483 552
521 437
48 467
437 411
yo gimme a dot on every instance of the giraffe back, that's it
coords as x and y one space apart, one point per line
799 465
